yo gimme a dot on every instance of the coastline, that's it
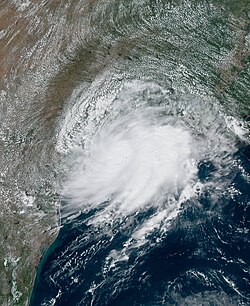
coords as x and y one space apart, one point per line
34 91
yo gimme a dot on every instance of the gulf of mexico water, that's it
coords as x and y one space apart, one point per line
155 193
200 257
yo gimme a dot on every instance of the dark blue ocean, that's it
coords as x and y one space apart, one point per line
125 152
202 259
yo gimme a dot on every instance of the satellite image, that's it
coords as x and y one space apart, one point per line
124 152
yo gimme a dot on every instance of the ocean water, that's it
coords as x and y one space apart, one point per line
153 212
156 162
200 258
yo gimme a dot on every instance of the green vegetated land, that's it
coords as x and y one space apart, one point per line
209 38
